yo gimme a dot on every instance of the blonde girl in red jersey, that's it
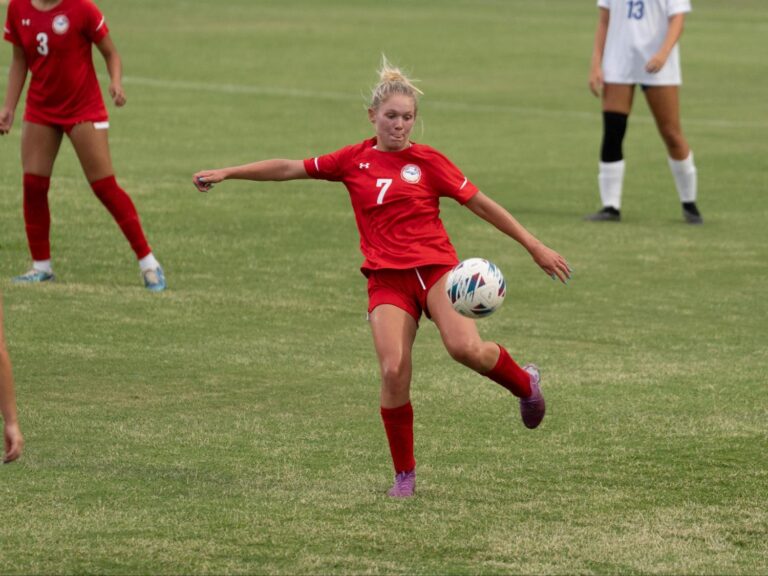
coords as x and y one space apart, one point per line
52 39
13 441
395 186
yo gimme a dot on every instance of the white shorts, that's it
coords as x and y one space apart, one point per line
630 69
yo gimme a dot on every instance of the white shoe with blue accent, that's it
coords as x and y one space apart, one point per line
33 277
154 279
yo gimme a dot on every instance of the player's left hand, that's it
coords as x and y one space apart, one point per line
656 63
118 94
13 441
6 120
552 263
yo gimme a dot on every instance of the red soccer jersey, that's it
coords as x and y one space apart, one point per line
396 199
57 47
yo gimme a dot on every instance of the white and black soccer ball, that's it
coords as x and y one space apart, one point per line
476 288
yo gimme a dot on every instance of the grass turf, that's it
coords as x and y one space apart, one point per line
230 424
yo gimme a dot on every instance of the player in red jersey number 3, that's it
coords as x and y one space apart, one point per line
395 186
52 39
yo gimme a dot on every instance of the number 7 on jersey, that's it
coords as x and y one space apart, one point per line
384 184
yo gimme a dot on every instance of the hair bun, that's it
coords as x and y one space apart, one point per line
392 81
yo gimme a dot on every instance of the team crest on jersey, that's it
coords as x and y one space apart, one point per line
411 173
61 24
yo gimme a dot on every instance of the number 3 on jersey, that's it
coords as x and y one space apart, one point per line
384 184
42 44
636 9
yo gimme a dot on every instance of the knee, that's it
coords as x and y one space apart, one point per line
673 137
395 372
465 351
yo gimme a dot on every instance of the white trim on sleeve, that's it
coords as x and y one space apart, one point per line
317 166
100 24
678 7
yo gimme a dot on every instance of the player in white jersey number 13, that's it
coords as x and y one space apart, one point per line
636 42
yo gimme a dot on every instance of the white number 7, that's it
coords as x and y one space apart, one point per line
384 184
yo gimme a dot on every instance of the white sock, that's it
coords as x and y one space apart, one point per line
610 178
42 266
684 172
149 262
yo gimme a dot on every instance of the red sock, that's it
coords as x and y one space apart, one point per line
123 211
510 375
37 217
398 423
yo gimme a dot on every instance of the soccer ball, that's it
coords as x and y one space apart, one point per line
476 287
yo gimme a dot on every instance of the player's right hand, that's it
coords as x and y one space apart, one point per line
14 442
6 120
596 82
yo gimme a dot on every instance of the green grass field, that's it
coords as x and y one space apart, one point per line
230 425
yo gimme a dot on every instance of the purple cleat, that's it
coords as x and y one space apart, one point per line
404 486
532 408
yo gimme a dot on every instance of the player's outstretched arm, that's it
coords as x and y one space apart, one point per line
276 170
12 439
548 260
17 75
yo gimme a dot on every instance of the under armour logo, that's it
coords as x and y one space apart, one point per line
26 22
365 165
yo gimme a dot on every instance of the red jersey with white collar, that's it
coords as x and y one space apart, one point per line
396 199
57 48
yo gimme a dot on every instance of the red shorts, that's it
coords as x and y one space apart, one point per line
407 289
100 120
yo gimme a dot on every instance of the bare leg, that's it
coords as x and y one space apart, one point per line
92 148
664 102
394 331
39 148
459 334
618 98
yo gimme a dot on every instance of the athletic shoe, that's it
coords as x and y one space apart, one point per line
691 213
33 277
154 280
404 486
532 408
607 214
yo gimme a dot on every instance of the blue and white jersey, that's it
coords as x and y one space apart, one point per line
636 31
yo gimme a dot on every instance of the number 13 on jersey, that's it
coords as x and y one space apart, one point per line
636 9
